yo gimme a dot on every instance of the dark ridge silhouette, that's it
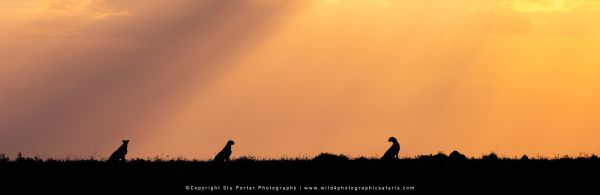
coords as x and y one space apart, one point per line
392 152
224 154
457 156
119 155
428 173
329 158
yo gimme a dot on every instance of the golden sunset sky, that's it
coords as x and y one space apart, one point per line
295 78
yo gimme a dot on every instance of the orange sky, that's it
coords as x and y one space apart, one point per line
295 78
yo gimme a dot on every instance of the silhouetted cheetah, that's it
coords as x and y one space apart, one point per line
392 153
119 155
225 153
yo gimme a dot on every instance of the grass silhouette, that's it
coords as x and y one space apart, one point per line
427 173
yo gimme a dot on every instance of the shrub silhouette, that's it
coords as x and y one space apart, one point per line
490 157
3 158
457 156
20 157
524 158
328 157
246 159
440 156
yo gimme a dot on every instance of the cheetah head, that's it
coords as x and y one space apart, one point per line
392 139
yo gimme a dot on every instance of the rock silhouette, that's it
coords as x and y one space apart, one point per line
119 155
224 154
392 152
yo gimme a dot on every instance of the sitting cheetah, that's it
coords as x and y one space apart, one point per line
119 155
225 153
392 153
